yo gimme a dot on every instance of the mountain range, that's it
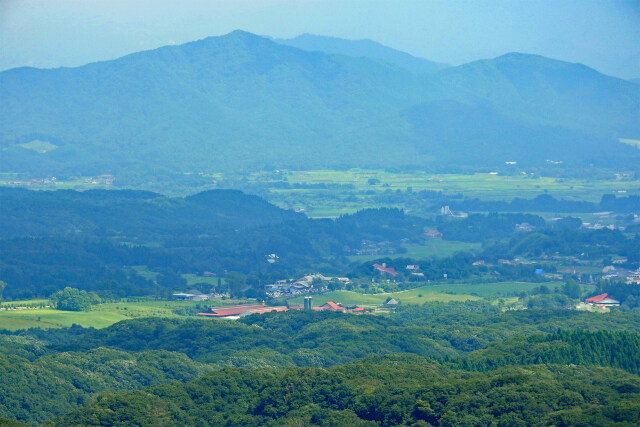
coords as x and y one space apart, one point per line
363 48
244 102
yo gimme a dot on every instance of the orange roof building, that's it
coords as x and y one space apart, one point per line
603 300
240 309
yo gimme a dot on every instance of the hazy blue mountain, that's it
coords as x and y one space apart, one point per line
539 90
241 102
223 102
363 48
482 132
635 80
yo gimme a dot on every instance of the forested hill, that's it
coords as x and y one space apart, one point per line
132 214
460 363
241 102
387 391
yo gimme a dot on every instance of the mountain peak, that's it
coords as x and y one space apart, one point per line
241 34
236 36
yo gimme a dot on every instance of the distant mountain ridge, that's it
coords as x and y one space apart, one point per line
363 48
244 102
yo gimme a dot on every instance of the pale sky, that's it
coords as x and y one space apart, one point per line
602 34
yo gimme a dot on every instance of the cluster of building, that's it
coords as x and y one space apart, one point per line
99 180
412 269
196 295
45 181
368 247
241 310
614 272
445 210
304 285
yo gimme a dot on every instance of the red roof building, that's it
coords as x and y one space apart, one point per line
237 310
383 268
330 306
603 300
597 298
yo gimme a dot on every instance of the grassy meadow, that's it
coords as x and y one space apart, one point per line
439 293
100 316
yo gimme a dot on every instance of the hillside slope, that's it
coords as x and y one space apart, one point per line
363 48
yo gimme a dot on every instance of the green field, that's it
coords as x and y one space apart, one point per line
49 318
349 191
484 185
100 316
192 279
349 298
38 146
440 293
634 142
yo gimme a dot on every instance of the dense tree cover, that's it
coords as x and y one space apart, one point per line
134 216
601 348
482 228
588 244
52 371
387 391
73 299
325 339
33 391
41 266
91 240
469 326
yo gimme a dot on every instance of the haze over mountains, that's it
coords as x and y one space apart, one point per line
362 48
244 102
